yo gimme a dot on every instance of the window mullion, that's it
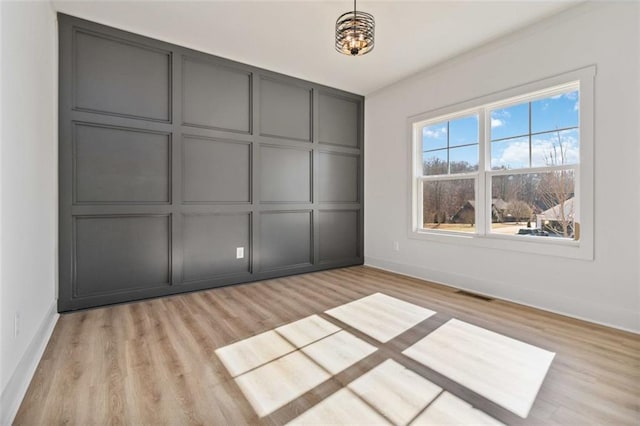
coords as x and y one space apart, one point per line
481 226
530 139
419 201
418 172
530 170
455 176
448 147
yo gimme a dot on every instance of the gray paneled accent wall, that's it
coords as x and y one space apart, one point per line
172 160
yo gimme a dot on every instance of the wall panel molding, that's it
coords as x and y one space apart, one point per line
119 253
339 177
141 87
216 171
336 116
339 235
106 175
172 160
204 257
286 174
218 105
286 109
286 239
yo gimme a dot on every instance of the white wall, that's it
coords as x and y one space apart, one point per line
28 188
605 290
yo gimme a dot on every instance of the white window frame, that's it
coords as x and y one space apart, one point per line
483 238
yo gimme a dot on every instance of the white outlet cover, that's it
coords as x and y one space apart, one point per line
239 252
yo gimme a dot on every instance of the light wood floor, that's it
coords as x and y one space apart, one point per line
154 362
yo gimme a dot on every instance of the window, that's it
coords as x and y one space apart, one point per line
541 134
510 170
450 165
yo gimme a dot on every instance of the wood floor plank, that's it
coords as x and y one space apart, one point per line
155 362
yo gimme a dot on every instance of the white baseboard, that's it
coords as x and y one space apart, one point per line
614 317
18 384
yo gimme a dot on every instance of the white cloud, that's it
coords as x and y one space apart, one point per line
544 149
576 106
571 95
516 154
501 113
430 132
496 122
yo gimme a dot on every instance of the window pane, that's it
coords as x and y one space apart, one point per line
435 162
463 131
535 204
510 122
464 159
556 112
434 136
510 153
449 205
555 148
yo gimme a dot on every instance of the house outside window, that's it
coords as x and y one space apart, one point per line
510 170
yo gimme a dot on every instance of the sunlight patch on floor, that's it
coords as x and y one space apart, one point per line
380 316
276 367
504 370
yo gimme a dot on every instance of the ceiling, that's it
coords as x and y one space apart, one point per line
296 37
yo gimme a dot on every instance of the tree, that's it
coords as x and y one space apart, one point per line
441 199
520 210
433 191
557 187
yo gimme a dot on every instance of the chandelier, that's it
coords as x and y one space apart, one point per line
355 32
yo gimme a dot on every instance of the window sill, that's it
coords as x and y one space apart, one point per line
546 246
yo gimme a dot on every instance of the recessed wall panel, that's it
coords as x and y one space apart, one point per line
211 242
172 161
338 177
116 165
285 175
121 253
216 171
338 120
338 235
118 77
216 96
285 239
285 110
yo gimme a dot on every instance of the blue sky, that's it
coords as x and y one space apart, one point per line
547 115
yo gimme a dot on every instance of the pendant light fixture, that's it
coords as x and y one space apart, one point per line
355 32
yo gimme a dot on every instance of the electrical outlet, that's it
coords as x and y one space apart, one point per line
16 325
239 252
396 246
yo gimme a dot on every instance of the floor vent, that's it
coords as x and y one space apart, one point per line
474 295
